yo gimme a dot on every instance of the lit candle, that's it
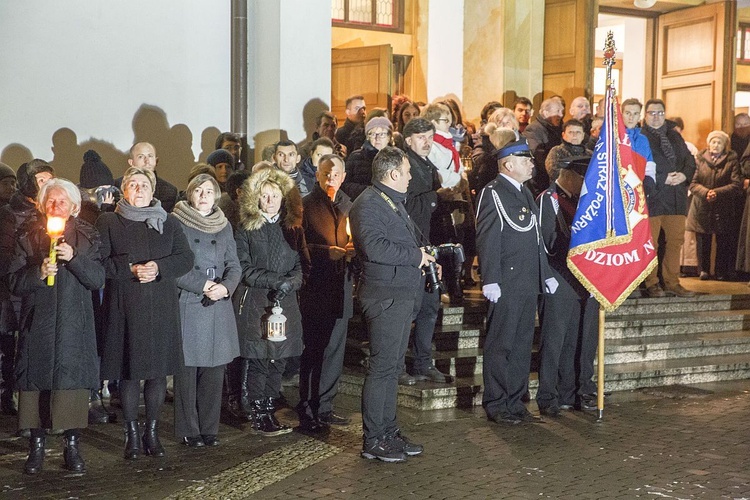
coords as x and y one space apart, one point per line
348 229
55 228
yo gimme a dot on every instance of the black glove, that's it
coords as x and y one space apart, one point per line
283 288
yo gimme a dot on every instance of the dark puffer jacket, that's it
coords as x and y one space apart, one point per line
269 253
57 345
359 170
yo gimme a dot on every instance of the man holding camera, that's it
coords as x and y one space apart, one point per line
386 242
515 272
421 202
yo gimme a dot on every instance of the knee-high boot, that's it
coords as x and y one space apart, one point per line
246 404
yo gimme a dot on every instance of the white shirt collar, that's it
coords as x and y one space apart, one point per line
512 181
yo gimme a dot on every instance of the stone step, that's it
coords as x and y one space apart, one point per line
464 392
452 337
629 376
680 304
641 326
676 346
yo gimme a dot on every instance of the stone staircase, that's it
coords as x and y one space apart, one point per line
648 343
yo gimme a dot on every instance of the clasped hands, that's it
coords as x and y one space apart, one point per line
492 291
145 273
215 291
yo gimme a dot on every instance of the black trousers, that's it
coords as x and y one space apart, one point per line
264 377
321 363
197 400
726 253
424 316
388 322
588 342
507 353
563 322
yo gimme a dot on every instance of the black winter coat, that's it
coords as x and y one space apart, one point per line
57 345
386 245
359 170
664 199
542 136
421 195
269 253
142 334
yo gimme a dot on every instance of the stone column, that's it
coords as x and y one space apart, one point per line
503 52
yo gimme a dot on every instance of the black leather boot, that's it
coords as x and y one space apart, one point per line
73 460
278 427
132 440
34 463
151 444
97 413
247 406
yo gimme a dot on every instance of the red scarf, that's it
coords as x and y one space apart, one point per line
448 144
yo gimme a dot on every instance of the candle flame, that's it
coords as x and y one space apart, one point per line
55 226
348 228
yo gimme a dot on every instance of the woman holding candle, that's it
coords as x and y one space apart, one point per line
57 364
144 252
209 330
273 255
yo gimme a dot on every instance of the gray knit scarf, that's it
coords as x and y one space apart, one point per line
211 223
666 145
153 215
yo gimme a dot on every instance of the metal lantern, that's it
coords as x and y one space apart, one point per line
276 324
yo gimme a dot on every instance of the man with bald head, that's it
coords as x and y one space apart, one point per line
143 155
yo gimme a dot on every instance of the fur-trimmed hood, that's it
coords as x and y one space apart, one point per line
291 207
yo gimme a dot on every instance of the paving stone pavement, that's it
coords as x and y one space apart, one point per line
678 442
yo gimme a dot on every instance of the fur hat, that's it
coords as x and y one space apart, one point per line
220 156
94 172
291 207
721 135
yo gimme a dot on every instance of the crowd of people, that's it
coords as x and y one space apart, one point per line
249 275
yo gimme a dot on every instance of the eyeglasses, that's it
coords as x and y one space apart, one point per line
378 135
447 120
655 113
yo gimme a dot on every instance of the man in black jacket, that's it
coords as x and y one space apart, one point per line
421 202
387 245
326 297
352 134
668 201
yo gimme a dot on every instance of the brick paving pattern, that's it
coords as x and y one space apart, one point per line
680 442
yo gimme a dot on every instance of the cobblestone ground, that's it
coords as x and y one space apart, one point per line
681 442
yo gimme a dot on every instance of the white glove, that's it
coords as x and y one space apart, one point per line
491 292
551 285
651 170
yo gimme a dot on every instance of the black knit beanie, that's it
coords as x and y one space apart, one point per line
94 172
220 156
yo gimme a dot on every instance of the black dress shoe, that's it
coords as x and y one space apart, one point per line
550 411
504 418
193 441
406 379
312 427
528 418
210 439
587 402
331 418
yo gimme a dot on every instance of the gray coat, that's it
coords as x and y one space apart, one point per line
209 333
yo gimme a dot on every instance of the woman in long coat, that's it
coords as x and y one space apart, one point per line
273 255
715 188
144 252
209 330
57 364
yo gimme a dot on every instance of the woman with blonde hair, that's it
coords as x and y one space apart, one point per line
273 257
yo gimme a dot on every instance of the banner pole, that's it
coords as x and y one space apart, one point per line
600 367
